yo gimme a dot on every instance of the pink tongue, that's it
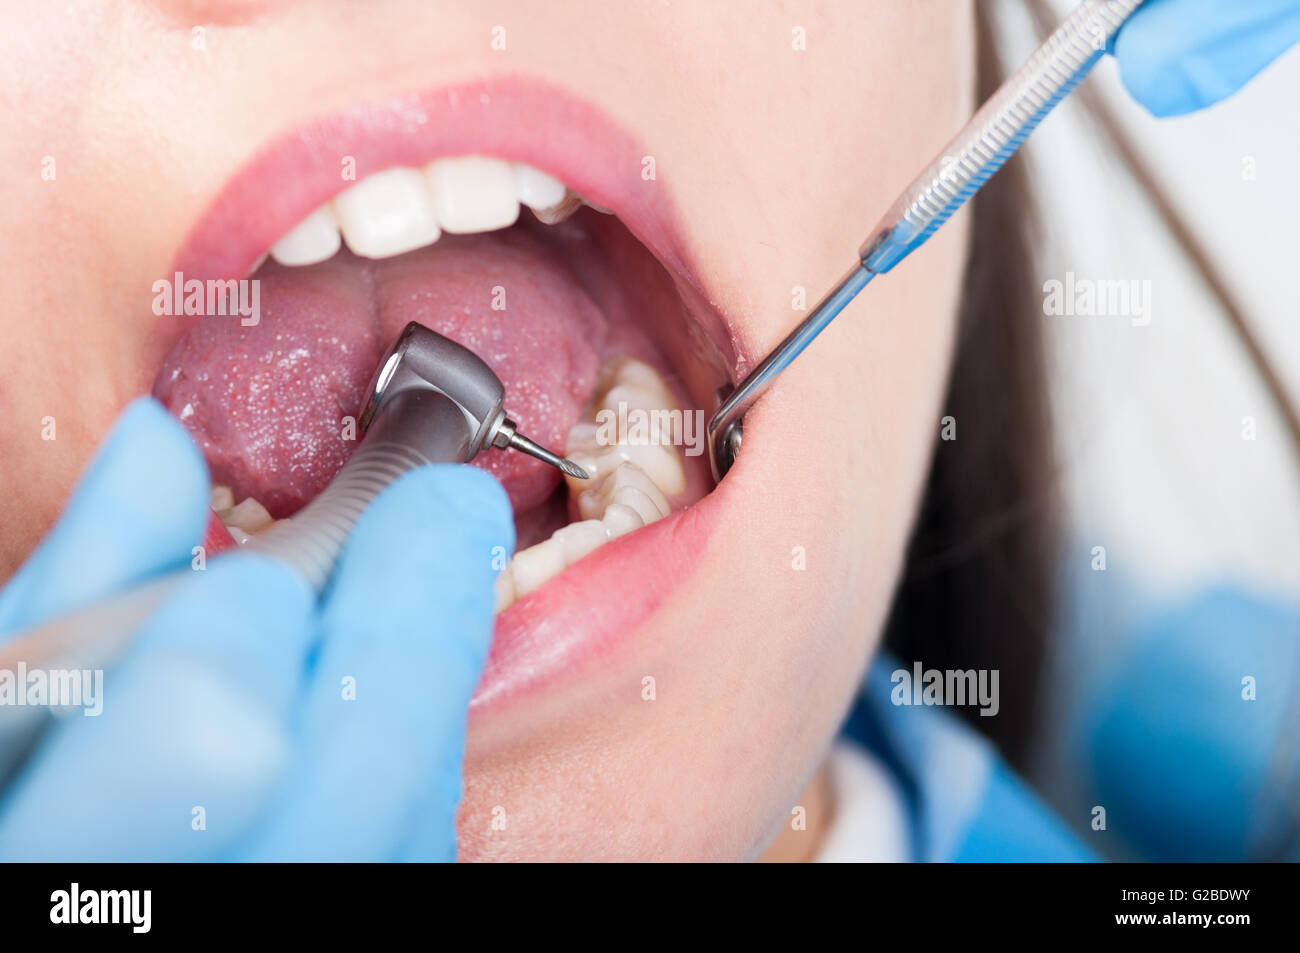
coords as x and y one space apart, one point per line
267 404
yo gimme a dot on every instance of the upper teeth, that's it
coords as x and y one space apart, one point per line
402 209
387 213
314 239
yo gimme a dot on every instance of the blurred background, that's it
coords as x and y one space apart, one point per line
1199 602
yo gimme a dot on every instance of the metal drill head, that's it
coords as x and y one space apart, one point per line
508 437
567 466
424 360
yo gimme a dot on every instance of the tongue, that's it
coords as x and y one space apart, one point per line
268 404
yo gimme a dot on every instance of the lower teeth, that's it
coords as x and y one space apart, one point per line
630 486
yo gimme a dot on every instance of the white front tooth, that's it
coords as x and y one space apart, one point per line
536 189
581 538
250 516
473 193
631 487
537 564
314 239
387 213
620 520
222 497
238 535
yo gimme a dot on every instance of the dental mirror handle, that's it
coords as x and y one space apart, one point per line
982 147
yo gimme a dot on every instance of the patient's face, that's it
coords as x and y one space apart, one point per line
666 677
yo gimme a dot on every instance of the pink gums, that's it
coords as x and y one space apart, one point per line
270 404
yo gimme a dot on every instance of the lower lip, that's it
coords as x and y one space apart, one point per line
585 614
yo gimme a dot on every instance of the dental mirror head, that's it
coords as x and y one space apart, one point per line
422 361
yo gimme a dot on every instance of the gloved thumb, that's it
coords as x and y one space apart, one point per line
138 509
1178 56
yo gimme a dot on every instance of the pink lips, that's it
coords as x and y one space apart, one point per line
514 119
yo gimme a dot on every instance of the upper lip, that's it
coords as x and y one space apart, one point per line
511 118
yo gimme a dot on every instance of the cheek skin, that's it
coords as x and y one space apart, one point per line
754 662
87 222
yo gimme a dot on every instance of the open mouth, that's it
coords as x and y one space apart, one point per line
457 219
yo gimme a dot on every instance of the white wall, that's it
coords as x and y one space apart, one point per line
1150 418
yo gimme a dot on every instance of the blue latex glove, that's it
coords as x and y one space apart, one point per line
1184 758
231 698
1178 56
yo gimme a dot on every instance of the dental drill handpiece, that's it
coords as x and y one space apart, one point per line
982 147
430 401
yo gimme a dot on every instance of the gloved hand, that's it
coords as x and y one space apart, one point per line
1178 56
228 730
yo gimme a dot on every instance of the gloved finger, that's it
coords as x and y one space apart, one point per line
192 736
1178 56
406 629
138 509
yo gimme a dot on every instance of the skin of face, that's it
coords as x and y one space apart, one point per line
779 161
